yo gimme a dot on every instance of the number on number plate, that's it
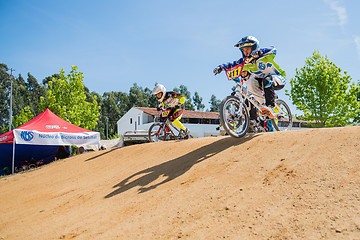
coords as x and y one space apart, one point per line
234 72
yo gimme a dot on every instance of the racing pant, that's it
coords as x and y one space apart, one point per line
268 85
176 114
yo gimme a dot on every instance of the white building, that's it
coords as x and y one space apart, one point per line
201 124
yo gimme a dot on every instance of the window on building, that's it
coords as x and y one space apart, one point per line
200 121
185 120
130 120
206 121
215 121
194 120
139 120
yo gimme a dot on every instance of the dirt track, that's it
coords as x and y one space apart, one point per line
285 185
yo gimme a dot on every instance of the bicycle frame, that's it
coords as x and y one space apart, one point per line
234 74
248 94
169 126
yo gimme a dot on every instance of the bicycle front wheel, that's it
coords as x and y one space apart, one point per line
157 133
283 120
234 117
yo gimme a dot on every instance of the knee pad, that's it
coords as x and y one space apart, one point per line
278 82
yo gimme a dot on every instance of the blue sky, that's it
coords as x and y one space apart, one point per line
118 43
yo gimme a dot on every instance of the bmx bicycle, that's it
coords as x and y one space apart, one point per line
165 130
234 109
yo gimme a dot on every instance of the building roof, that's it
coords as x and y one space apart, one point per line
187 114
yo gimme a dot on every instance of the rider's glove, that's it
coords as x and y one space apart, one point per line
217 70
158 108
233 93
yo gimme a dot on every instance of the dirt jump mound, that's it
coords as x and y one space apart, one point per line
285 185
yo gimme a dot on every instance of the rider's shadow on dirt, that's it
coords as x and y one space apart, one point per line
176 167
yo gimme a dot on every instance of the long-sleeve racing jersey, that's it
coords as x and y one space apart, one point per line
173 99
262 67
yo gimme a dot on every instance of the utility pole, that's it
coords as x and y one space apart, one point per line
11 87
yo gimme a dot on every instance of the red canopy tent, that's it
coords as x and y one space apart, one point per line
49 129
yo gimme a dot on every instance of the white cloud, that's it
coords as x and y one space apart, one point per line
357 43
340 11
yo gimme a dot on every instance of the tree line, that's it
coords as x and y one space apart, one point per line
68 97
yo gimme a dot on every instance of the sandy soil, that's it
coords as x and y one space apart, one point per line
284 185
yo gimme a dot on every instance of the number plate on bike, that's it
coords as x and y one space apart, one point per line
165 113
234 72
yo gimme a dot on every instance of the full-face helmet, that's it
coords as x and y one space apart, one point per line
159 88
248 41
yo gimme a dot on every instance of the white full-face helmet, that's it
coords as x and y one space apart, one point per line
159 89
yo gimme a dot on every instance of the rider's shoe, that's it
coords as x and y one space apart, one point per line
270 126
268 111
184 134
187 134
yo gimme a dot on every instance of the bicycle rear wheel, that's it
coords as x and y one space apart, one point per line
157 133
283 120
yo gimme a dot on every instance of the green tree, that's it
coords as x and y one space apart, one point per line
24 116
357 118
26 94
66 98
152 99
198 102
19 95
34 92
46 80
4 98
110 114
123 102
323 93
138 97
100 125
214 104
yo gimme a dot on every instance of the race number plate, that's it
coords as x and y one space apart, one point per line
234 72
165 113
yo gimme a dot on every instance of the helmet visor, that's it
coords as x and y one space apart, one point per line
245 45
